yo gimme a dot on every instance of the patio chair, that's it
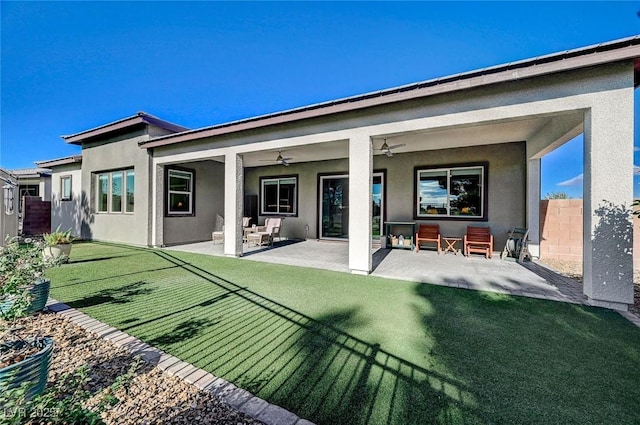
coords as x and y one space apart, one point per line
428 233
478 239
267 233
218 235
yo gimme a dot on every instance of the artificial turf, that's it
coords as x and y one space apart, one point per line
337 348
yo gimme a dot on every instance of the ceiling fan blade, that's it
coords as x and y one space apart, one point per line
389 153
396 146
285 163
287 159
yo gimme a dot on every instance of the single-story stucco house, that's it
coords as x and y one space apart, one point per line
465 150
33 182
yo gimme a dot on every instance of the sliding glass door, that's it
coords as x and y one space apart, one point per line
334 210
334 206
377 191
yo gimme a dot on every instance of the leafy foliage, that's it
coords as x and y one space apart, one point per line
21 265
557 195
57 237
66 402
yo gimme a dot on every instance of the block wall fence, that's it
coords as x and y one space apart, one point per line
561 224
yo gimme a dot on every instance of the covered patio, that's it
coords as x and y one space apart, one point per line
456 151
529 279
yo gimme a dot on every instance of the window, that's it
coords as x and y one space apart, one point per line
103 192
180 192
130 186
112 187
29 190
65 188
279 195
116 191
451 192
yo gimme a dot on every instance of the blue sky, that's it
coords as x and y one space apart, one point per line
69 66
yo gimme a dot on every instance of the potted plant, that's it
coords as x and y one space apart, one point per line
57 243
24 363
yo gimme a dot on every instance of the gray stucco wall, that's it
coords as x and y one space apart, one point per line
209 203
71 214
506 187
559 86
109 155
293 227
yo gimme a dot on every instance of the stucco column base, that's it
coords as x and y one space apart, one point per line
360 272
608 304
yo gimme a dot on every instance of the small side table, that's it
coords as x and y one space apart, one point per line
451 245
247 231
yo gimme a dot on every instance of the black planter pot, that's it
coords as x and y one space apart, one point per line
33 370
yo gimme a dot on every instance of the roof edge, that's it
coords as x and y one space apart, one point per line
139 118
546 64
73 159
29 173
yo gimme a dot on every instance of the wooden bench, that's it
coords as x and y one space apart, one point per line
478 239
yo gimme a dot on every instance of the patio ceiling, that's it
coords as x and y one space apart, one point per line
515 130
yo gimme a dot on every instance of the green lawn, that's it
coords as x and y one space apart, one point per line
338 348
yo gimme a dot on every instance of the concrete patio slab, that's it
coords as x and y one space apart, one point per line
475 272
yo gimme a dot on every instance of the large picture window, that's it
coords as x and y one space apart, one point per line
455 192
111 189
180 193
279 195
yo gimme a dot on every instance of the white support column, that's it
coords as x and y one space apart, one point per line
533 206
233 192
158 206
608 193
360 203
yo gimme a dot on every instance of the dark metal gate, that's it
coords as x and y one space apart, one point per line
36 216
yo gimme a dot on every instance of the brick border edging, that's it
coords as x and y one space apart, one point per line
233 396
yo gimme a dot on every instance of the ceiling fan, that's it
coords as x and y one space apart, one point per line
279 160
387 150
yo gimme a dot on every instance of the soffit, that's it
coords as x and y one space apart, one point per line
443 138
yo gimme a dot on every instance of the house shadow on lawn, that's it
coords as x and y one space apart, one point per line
488 357
312 367
528 360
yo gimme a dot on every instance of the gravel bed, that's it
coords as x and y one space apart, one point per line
573 270
152 397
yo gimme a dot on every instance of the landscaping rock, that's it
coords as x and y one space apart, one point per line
151 397
573 269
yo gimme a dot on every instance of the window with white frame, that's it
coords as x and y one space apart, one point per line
180 192
115 191
65 188
130 186
455 192
279 195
